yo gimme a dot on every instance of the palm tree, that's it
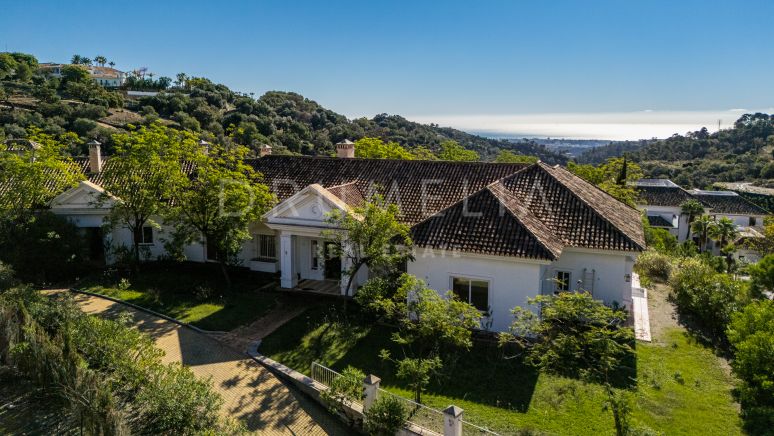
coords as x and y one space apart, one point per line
693 208
181 78
86 61
724 231
112 64
100 60
701 227
76 59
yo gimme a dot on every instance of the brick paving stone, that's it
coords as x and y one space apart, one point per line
250 392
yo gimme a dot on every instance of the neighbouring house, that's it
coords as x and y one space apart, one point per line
661 200
105 76
494 234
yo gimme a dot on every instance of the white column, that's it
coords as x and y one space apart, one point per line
289 278
370 391
452 421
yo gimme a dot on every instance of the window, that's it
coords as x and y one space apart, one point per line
144 237
315 255
562 283
267 247
752 221
475 292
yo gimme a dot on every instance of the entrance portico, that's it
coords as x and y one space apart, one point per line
305 253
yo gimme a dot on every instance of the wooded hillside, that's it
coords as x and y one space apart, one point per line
287 121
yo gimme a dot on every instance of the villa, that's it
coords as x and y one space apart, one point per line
494 234
661 200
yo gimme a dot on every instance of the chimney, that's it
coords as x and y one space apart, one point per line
265 150
205 145
345 149
95 156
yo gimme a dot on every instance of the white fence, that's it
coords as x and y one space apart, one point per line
426 419
419 414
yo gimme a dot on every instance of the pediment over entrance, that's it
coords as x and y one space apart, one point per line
310 207
84 196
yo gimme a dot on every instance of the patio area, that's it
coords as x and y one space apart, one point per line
325 287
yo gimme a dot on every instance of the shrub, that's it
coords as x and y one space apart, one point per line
751 334
762 275
45 248
7 279
344 389
174 401
386 416
706 296
110 374
654 265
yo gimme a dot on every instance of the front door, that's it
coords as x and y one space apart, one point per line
96 244
332 262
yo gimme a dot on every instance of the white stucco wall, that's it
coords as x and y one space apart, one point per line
610 272
511 280
671 214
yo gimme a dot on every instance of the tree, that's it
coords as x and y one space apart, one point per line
164 82
86 61
112 64
702 226
575 335
724 232
430 324
370 235
615 177
37 174
375 148
507 156
692 208
181 79
762 275
764 245
751 334
423 153
100 60
143 176
76 59
8 65
75 73
217 204
452 150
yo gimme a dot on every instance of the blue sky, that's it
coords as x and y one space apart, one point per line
444 61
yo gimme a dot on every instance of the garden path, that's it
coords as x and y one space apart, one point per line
251 393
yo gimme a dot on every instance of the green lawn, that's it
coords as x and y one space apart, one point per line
681 387
195 294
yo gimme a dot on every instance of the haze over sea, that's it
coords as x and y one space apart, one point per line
644 124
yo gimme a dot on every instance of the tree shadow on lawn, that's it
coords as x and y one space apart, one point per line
482 375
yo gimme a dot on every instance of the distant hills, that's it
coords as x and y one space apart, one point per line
698 159
289 122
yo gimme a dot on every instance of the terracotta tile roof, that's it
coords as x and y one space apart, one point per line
55 183
406 183
349 193
530 211
672 196
488 222
575 211
727 202
659 221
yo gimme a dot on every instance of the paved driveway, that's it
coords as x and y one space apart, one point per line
250 392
